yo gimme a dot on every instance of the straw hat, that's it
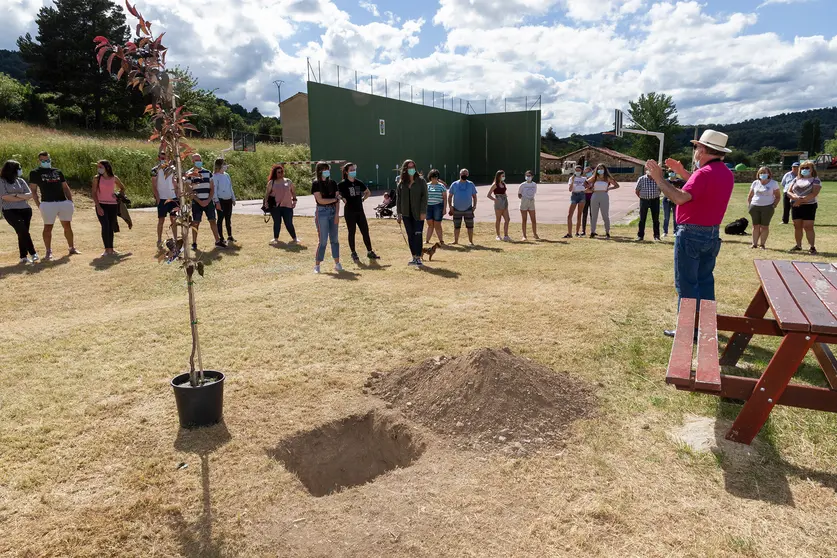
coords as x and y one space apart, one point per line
714 140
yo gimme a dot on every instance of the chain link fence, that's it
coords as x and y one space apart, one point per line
348 78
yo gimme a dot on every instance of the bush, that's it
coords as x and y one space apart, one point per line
132 159
11 98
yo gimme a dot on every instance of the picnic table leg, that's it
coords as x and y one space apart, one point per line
828 363
770 387
737 344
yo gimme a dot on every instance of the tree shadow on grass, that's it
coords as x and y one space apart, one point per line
106 262
289 247
30 269
373 265
441 272
343 275
217 254
196 538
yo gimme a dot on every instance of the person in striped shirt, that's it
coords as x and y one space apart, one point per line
436 198
202 192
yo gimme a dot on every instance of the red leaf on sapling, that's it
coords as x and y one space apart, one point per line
110 62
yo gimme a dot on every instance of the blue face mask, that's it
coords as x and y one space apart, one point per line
600 172
578 173
352 174
589 174
672 175
805 172
199 164
764 176
46 164
411 172
326 174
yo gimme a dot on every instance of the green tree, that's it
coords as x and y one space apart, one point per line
806 136
12 98
831 146
655 112
766 156
551 135
60 62
816 138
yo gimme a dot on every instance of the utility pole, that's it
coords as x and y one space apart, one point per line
278 84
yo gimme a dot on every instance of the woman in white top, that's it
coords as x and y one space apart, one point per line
224 198
526 192
601 183
762 200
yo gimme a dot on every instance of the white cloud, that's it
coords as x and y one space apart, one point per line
583 57
369 7
772 2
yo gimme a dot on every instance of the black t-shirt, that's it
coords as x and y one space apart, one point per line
50 184
352 192
326 188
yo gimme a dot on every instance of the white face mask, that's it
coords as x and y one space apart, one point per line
528 178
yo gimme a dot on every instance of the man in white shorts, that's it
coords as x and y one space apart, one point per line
53 197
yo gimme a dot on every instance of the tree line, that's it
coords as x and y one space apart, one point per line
754 142
53 79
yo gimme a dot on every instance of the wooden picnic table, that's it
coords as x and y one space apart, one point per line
802 296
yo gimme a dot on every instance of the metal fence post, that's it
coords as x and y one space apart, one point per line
319 72
338 75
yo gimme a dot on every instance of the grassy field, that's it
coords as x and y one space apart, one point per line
132 160
91 455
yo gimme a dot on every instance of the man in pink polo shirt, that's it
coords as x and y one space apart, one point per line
701 205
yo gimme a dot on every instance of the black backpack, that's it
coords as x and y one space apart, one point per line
737 227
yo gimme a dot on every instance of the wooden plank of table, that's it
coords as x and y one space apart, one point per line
708 372
806 297
828 271
828 363
782 304
795 395
680 363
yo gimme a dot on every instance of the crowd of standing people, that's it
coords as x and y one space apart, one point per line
421 204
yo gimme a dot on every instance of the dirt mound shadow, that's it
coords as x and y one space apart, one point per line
489 398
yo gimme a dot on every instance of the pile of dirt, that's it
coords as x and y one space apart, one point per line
488 398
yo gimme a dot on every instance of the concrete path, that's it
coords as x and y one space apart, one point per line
552 202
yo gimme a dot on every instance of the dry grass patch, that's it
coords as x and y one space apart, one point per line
90 449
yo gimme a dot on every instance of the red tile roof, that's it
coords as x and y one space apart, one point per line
605 151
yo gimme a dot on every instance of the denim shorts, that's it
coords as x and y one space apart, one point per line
577 197
198 211
434 212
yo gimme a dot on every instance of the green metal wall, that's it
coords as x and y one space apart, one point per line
345 125
510 141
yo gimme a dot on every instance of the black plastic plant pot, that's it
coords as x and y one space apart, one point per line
202 405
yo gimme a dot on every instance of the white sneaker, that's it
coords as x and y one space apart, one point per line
35 258
337 267
297 241
24 261
317 269
665 235
274 242
499 239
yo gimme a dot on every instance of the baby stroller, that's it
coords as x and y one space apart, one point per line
385 209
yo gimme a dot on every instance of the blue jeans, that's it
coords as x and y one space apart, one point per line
669 211
326 230
695 251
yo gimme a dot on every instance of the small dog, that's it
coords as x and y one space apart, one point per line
430 251
737 227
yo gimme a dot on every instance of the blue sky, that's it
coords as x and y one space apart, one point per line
722 61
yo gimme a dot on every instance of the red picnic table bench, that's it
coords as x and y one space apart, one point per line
802 297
